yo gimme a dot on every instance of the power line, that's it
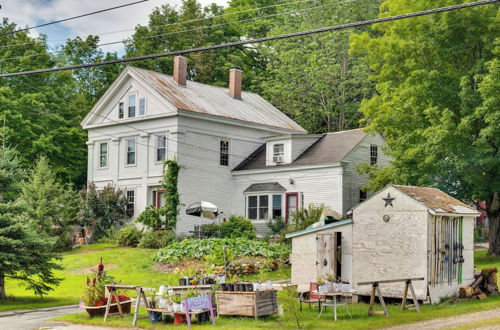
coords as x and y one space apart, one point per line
257 40
72 18
193 29
177 23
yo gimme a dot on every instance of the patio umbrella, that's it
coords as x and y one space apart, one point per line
203 210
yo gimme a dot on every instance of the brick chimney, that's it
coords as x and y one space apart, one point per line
235 77
180 70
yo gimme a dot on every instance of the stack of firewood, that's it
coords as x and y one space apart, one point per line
485 284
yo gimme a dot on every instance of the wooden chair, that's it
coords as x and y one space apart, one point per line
311 297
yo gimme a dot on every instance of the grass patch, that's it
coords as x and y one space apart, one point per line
130 266
360 319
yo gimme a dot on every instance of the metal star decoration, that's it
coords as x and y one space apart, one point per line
388 200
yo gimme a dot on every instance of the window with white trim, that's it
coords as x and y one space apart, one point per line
264 206
131 152
131 105
103 155
142 106
121 110
161 147
224 153
373 155
130 202
278 153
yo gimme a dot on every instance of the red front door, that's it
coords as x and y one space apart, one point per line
292 204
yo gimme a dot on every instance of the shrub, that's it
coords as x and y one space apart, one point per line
192 248
156 239
238 226
303 218
211 230
276 225
150 217
129 236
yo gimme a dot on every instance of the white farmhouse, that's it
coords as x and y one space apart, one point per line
236 149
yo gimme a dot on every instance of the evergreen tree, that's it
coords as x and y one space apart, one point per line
48 206
24 255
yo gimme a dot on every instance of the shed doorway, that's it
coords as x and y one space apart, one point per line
329 255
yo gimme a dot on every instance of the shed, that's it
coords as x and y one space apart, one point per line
412 232
321 250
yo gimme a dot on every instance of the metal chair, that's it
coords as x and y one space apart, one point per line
312 297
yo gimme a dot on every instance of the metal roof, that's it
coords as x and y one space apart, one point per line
267 186
328 149
435 199
315 229
216 101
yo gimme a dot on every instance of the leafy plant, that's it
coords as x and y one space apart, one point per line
217 257
235 226
304 217
172 198
277 225
156 239
150 217
192 248
289 302
129 236
103 209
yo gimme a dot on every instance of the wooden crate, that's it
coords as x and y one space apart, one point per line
255 304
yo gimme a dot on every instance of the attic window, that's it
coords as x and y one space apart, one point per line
278 153
121 110
373 155
131 105
142 106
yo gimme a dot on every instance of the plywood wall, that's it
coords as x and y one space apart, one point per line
395 249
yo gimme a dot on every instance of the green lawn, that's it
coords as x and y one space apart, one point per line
135 268
128 265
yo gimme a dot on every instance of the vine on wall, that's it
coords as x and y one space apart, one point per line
169 181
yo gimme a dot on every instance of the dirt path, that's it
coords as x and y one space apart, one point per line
454 322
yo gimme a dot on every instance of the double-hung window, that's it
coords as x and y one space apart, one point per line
278 153
130 202
161 147
131 152
121 110
142 106
264 207
131 105
224 153
103 154
373 155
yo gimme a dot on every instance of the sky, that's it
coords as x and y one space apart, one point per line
35 12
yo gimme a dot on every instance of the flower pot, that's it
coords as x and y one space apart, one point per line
256 286
155 317
100 310
163 303
180 318
170 307
249 287
230 286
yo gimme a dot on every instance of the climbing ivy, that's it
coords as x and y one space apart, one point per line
169 180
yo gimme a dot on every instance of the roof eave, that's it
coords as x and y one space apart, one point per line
313 230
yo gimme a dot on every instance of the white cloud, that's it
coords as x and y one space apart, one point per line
34 12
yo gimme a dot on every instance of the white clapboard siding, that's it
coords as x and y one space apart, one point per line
354 181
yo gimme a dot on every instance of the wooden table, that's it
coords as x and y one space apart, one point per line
140 294
253 303
334 296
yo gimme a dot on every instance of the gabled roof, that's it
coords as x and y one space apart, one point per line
330 148
214 101
435 199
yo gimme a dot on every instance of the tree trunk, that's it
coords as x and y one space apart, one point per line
2 287
493 209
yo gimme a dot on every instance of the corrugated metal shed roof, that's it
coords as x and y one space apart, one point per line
316 229
435 199
330 148
216 101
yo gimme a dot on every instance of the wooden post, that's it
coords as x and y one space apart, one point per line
108 304
137 304
414 296
382 302
117 299
372 299
405 295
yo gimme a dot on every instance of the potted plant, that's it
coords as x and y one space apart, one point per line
322 287
94 300
330 282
